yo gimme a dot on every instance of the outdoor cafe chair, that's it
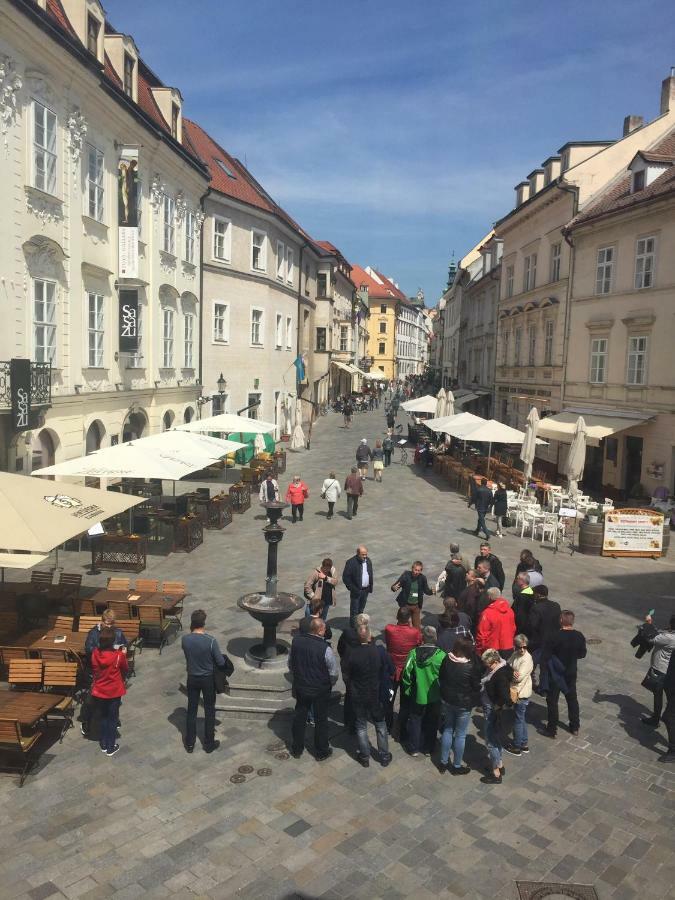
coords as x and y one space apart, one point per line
53 655
25 674
152 618
147 585
63 677
121 608
118 584
7 654
69 586
61 623
175 614
86 623
83 608
131 629
41 578
14 743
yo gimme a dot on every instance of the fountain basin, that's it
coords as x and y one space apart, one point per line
270 611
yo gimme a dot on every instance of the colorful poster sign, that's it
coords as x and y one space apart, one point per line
127 212
633 532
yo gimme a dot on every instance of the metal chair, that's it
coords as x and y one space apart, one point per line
63 676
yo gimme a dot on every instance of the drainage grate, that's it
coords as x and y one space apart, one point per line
237 779
245 770
593 640
284 755
264 773
277 745
539 890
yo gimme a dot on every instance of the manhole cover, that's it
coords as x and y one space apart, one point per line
237 779
245 770
264 773
542 890
593 640
277 745
284 755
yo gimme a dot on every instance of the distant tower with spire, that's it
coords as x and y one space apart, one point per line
452 271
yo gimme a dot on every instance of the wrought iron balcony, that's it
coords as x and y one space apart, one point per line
40 385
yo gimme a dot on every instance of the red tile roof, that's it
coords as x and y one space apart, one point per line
391 286
147 102
619 197
57 12
385 291
111 74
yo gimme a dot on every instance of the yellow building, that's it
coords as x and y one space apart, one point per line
383 300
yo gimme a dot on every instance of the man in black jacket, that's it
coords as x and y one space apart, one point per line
496 566
362 670
544 619
455 577
483 500
413 585
314 670
567 646
668 716
357 577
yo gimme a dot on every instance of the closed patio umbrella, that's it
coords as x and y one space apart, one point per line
441 397
259 443
298 436
529 443
576 457
449 403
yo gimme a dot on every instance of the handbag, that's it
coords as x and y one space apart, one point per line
513 693
221 674
653 680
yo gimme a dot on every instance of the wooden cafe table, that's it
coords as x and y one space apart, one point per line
27 707
102 598
39 639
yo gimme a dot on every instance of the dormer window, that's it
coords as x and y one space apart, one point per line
565 161
93 31
129 75
638 181
175 112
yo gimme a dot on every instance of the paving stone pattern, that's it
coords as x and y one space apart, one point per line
154 822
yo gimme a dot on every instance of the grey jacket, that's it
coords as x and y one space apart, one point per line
664 644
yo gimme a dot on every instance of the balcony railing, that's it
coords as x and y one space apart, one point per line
40 384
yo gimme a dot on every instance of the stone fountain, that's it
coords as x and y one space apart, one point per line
273 606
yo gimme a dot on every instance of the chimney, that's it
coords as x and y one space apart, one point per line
632 123
668 92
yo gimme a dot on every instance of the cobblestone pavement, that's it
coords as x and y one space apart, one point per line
597 809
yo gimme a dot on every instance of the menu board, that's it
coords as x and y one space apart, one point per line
633 532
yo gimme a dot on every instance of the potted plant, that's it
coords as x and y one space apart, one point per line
593 514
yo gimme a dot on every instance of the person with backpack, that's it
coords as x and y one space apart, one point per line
387 449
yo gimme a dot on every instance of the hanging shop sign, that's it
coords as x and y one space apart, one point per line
128 322
20 390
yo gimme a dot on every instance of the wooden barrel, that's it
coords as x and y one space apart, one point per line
590 537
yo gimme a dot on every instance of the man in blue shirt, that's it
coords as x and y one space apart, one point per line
202 656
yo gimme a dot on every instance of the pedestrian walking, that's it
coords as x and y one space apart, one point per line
378 460
421 691
482 500
663 644
347 412
269 489
500 508
413 586
391 417
399 640
320 587
496 626
559 657
387 449
357 577
495 697
363 669
459 681
109 665
296 495
521 690
314 671
496 566
331 491
363 456
202 658
353 490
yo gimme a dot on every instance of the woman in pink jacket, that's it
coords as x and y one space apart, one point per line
296 495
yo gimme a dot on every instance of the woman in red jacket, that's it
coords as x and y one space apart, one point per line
296 495
109 666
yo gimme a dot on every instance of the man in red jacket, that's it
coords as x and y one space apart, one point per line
496 626
400 640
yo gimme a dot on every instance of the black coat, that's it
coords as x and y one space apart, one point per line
483 499
362 669
544 622
405 581
459 682
455 580
501 502
496 569
351 576
497 688
523 601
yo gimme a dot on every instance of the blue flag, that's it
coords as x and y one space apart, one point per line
299 368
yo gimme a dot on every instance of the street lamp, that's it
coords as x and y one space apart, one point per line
222 384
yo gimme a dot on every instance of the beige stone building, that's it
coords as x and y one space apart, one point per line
534 307
91 139
619 366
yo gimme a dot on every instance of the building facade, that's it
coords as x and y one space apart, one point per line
92 141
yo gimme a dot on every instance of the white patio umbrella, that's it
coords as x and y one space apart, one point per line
226 423
461 419
529 443
576 457
425 404
38 516
449 403
491 432
298 436
192 444
440 403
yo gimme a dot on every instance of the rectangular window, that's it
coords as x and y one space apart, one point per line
258 251
383 308
94 183
95 330
555 261
44 148
530 272
44 320
253 404
344 338
222 239
507 336
136 358
638 180
289 333
322 285
383 327
637 360
320 338
509 281
188 341
281 261
517 337
175 112
598 373
169 242
548 343
93 29
221 323
307 279
531 345
128 75
190 225
603 270
290 272
381 348
645 254
257 327
279 332
167 338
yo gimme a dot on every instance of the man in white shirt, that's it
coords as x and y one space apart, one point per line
358 579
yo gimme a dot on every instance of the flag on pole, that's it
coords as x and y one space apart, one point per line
299 364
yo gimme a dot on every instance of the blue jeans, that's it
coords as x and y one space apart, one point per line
520 725
481 526
357 603
324 611
109 717
455 726
364 710
493 734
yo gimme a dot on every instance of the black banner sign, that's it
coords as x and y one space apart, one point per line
19 378
128 331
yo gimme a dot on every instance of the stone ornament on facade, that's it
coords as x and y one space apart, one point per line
45 208
77 131
157 190
181 206
39 84
43 256
10 85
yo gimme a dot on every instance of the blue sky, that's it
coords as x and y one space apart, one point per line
398 130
